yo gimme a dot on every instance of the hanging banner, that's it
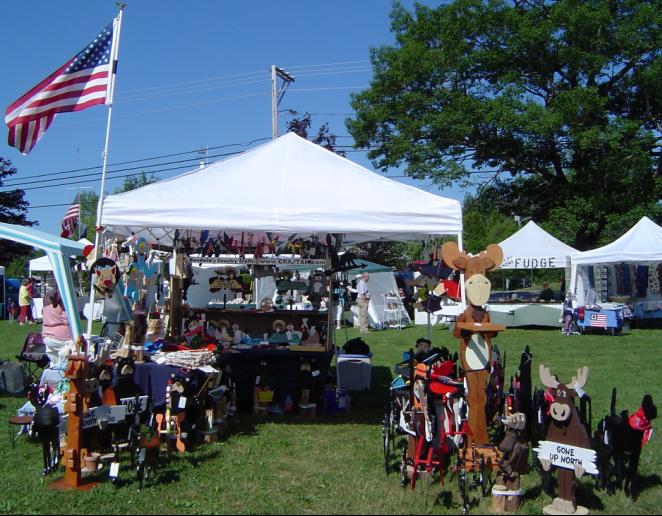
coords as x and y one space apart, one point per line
257 261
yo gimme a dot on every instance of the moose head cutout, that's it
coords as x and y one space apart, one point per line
474 267
565 428
474 329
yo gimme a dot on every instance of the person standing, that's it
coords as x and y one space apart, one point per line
25 302
56 331
363 300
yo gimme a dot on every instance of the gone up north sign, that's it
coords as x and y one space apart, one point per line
567 456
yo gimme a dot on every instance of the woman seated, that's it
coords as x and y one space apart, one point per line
56 331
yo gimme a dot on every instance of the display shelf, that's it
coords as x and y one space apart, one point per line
393 312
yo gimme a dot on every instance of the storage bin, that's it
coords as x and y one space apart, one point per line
354 372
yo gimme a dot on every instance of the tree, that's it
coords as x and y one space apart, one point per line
89 200
301 125
483 225
557 102
133 182
13 210
391 254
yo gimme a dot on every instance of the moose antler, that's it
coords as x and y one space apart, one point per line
579 380
546 377
453 257
492 257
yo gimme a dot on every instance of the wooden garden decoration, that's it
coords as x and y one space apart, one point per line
506 494
474 329
567 447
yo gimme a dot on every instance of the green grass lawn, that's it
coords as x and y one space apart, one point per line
334 464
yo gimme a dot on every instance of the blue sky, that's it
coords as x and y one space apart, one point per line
191 75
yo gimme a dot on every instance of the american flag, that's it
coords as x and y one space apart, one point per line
70 221
85 80
599 320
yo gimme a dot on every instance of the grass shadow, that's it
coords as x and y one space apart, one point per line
642 483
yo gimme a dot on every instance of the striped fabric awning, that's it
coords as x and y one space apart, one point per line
58 250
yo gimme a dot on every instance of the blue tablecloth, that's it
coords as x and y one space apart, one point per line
603 318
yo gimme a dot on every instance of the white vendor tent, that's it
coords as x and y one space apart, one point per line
43 264
641 245
533 248
286 186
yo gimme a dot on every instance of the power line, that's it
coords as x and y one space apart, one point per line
295 67
243 144
172 85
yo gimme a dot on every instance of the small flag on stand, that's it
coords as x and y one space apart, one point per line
83 81
70 221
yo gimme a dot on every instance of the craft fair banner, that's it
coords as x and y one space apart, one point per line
227 260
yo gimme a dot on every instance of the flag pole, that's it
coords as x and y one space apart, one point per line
111 90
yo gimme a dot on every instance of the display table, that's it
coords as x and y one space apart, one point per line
279 367
258 322
609 319
526 314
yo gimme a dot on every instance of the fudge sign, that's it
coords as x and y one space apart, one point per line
567 456
548 262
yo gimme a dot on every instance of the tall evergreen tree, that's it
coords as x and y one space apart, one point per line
13 210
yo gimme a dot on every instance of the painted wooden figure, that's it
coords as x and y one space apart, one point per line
565 428
474 329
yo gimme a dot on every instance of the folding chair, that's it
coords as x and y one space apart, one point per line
33 356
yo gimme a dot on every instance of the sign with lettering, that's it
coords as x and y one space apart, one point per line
542 262
130 404
567 456
112 414
258 261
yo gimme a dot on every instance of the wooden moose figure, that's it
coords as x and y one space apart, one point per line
568 444
474 329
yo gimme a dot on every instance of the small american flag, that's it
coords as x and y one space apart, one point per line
70 221
85 80
599 320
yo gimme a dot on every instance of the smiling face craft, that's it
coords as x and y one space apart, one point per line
474 329
107 275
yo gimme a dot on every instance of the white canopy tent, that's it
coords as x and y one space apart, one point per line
533 248
641 244
43 264
286 186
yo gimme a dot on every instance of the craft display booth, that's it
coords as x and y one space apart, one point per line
622 278
279 208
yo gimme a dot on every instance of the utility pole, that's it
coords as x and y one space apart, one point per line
277 95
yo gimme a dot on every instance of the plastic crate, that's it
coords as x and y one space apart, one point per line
354 372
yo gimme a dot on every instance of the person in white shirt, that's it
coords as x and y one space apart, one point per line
363 300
